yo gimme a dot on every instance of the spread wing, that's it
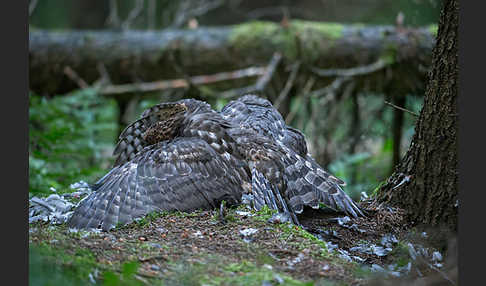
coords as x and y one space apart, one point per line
183 174
307 184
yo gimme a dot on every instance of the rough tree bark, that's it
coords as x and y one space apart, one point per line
425 183
144 56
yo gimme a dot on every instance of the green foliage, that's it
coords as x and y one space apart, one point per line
127 277
70 138
50 266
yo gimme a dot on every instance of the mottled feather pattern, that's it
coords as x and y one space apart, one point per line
158 180
307 184
130 141
185 156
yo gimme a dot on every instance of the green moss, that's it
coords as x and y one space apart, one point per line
433 29
267 37
264 214
328 30
246 35
307 239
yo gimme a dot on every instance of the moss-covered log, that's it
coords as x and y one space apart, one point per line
135 56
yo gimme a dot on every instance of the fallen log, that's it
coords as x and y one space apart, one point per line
148 56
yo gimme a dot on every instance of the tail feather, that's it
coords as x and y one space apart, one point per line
267 193
309 185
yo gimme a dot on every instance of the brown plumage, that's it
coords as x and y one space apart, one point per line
184 156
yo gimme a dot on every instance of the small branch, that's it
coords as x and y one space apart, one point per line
232 93
355 127
105 76
272 66
133 14
397 126
401 108
277 10
189 9
305 98
361 70
157 257
330 89
74 77
441 274
331 116
181 83
288 85
113 20
260 84
151 9
176 60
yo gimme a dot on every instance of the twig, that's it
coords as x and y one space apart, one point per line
401 108
277 10
105 76
176 60
75 77
32 5
331 117
330 89
361 70
113 20
157 257
139 277
288 85
441 273
260 84
151 9
189 9
272 66
232 93
283 250
133 14
305 98
180 83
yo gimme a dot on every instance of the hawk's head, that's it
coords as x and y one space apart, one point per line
167 118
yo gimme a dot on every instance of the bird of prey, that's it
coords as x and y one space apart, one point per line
185 156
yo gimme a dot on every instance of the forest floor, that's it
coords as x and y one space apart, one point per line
199 248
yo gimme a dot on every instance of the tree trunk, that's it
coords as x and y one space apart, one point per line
425 183
145 56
